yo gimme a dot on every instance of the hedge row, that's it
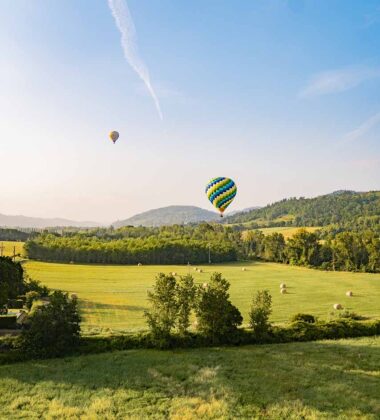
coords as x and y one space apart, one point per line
295 332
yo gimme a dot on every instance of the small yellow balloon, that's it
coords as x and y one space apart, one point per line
114 135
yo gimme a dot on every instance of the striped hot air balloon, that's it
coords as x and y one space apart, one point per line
221 192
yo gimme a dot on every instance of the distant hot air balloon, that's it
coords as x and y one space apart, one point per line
114 135
221 192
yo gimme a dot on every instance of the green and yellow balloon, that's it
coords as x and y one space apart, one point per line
221 192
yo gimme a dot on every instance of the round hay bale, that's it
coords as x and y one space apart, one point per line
174 273
338 306
349 293
74 296
71 262
283 291
195 268
243 269
282 286
205 285
139 265
200 271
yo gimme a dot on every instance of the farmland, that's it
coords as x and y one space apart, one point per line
9 247
114 297
325 379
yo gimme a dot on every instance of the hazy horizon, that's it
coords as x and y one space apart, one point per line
281 96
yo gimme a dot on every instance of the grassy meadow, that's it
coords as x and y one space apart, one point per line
287 231
325 379
114 297
8 248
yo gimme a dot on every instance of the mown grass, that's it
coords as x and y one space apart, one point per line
114 297
9 247
335 379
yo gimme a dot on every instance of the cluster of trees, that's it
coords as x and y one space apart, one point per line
8 234
349 251
344 208
173 302
166 245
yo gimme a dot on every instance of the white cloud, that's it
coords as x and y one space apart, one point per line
339 80
363 128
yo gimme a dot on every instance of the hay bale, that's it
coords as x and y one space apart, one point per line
200 271
205 285
195 268
349 293
74 296
283 291
338 306
174 273
243 269
139 265
282 286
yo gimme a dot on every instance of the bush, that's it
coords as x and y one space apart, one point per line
30 298
217 317
259 313
303 317
52 330
15 303
8 322
351 315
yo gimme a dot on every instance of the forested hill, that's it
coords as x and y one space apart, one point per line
170 215
343 208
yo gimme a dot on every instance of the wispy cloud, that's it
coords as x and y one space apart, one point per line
363 128
124 22
339 80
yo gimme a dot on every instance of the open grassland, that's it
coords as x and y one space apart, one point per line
335 379
9 247
114 297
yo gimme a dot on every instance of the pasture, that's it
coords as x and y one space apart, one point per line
7 248
287 231
113 298
325 379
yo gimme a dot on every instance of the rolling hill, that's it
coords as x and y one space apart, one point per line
340 208
169 216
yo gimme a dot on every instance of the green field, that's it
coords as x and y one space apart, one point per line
331 380
9 247
114 297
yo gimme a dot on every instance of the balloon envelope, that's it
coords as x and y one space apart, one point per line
221 192
114 135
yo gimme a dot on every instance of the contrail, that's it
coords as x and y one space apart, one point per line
124 22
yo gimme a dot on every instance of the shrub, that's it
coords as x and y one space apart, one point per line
185 295
161 318
259 314
351 315
52 330
217 317
15 303
35 286
30 298
303 317
7 322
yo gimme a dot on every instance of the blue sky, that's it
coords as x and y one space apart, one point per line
282 96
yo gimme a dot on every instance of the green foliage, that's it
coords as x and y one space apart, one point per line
217 317
350 315
345 208
30 298
162 316
165 245
303 317
15 303
185 295
11 279
31 285
7 322
52 330
260 311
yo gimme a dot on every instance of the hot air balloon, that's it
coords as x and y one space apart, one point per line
221 192
114 135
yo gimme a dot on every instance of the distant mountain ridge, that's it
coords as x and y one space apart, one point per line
39 222
169 215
